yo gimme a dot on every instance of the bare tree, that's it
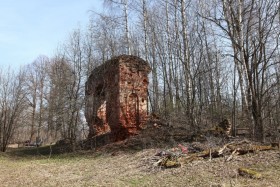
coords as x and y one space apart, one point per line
58 104
123 4
250 26
12 104
36 89
210 60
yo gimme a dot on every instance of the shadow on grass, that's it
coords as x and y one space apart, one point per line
49 152
44 151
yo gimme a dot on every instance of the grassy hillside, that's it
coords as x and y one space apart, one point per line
36 167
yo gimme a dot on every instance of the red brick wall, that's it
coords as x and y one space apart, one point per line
121 107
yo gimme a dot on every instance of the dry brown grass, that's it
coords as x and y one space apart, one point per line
134 169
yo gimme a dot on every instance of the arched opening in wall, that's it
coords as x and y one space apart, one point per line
99 113
100 101
133 110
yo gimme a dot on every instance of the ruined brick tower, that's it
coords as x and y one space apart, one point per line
117 97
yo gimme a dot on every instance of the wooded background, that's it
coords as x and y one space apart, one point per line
210 60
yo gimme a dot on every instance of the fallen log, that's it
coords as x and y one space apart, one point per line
177 156
231 156
245 147
213 153
250 148
249 173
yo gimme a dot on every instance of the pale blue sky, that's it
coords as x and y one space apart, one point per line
29 28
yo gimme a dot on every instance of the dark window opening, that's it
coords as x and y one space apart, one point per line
100 90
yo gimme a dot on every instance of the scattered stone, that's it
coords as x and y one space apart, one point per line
169 162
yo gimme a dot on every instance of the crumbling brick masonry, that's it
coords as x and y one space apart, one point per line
117 97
